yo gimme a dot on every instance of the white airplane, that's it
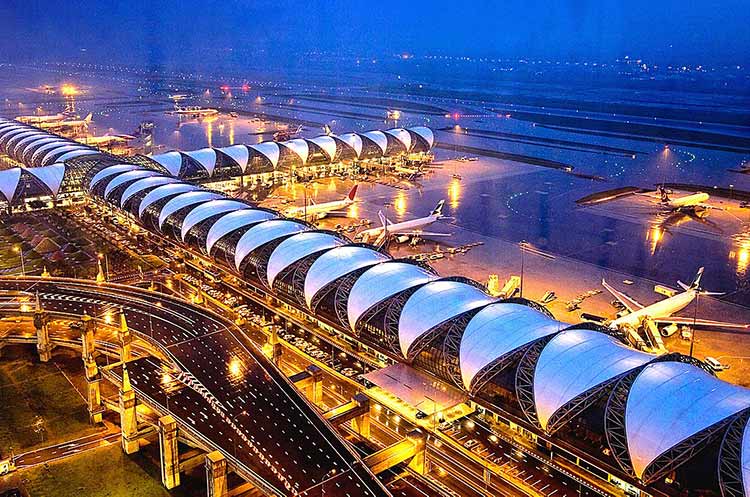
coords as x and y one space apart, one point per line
661 312
408 229
319 211
695 202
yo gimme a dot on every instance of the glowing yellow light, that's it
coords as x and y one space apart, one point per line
166 378
235 367
231 132
209 132
655 236
108 318
25 308
454 192
399 204
69 90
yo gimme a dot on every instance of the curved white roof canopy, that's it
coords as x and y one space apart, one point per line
37 143
20 147
670 402
745 459
379 138
76 153
299 147
41 151
498 330
269 150
110 171
238 153
125 177
433 304
9 182
233 221
263 233
51 176
171 161
425 133
297 247
206 157
353 140
59 150
185 200
381 282
336 263
8 135
204 211
401 135
142 184
576 361
164 191
326 143
10 145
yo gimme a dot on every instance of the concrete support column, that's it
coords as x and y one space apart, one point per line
41 323
169 455
216 474
361 425
417 463
93 377
316 385
128 416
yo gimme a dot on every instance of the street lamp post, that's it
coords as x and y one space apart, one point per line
523 252
19 249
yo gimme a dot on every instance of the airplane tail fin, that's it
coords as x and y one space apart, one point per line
89 118
695 284
327 130
663 193
383 219
438 211
352 193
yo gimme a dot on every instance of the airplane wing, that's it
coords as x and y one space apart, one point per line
700 322
417 233
630 303
709 206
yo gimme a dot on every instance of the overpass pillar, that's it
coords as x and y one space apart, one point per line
169 455
126 339
315 387
93 377
361 424
216 474
275 345
41 323
128 417
418 462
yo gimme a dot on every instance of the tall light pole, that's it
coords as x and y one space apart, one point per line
523 252
19 249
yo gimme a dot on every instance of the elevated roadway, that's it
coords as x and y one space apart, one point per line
220 389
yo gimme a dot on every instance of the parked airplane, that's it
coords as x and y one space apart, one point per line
405 229
66 124
408 172
319 211
286 134
695 202
661 312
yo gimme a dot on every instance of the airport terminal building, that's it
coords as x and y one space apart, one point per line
577 394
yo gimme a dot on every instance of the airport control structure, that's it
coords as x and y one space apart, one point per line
579 392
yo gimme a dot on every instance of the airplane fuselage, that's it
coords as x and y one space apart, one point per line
687 201
395 228
319 211
662 309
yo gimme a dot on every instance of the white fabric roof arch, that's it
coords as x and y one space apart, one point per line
297 247
208 209
263 233
498 330
233 221
381 282
433 304
336 263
